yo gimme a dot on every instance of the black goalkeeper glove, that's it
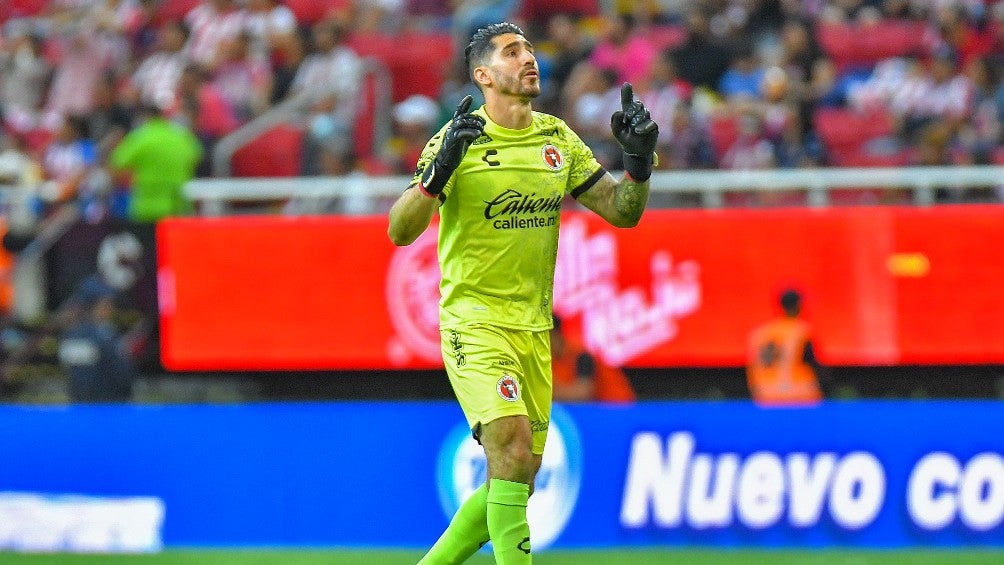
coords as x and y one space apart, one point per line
464 129
637 133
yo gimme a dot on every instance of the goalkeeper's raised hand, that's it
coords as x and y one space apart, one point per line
634 129
463 130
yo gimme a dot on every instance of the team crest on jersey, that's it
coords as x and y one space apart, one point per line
552 157
508 388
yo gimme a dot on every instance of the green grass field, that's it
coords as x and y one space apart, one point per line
614 557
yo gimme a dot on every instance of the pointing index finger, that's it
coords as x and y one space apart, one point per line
464 105
627 96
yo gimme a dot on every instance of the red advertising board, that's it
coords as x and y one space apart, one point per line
882 286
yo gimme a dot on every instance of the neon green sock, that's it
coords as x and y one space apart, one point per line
467 532
507 522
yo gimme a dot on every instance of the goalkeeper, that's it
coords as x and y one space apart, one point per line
497 175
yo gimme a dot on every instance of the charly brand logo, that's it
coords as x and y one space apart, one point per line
462 469
552 157
619 324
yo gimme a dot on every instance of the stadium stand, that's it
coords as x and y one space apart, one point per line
863 134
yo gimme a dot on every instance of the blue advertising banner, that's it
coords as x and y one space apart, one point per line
870 473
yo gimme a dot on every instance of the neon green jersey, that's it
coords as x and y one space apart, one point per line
498 231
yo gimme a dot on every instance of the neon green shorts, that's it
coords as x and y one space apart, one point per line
498 372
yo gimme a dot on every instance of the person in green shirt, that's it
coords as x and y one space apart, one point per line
161 156
497 175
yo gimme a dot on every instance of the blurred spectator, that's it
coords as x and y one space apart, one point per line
536 15
201 107
796 148
82 63
751 149
776 102
981 133
626 49
116 25
110 120
954 30
469 15
68 163
579 376
888 79
157 158
380 16
271 25
666 90
330 78
799 50
415 119
940 94
160 156
657 11
286 62
20 174
782 368
568 46
158 74
744 77
90 349
683 143
702 59
590 116
242 79
211 23
24 77
426 16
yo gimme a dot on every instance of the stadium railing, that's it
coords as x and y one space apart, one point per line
361 194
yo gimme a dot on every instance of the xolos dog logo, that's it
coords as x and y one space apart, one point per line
552 157
508 388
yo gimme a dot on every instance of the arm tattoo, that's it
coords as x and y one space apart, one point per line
630 198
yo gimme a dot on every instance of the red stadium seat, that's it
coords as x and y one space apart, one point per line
309 12
275 153
173 10
863 45
845 131
418 62
37 140
20 8
724 130
998 156
372 118
866 159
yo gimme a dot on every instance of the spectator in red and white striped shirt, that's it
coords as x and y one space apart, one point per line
156 78
213 22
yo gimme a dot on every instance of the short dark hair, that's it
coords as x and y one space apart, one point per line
790 300
481 43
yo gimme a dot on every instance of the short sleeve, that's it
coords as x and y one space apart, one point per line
585 169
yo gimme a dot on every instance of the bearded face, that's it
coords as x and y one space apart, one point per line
513 67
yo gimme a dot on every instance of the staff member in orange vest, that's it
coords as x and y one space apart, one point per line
578 376
782 369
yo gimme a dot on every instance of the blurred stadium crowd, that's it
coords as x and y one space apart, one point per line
287 88
733 84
